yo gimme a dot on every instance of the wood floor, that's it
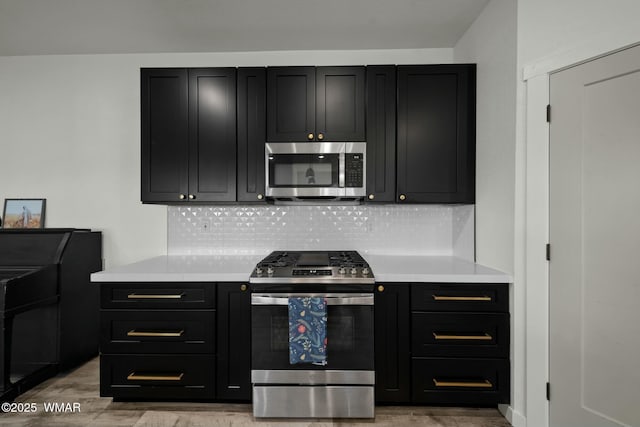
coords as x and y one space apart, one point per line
82 386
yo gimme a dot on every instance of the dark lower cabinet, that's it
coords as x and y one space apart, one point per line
392 343
182 340
234 342
436 134
460 343
158 376
157 340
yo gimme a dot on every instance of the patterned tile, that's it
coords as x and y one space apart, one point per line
390 229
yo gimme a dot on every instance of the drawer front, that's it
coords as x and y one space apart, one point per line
157 295
460 334
157 376
460 381
460 297
157 331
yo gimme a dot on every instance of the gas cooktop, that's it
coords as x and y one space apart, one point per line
312 267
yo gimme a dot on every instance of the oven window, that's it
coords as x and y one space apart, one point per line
340 333
304 170
349 338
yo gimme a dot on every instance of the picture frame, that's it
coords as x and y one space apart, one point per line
24 213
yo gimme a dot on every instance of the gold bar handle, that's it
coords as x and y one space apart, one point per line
134 333
462 298
484 337
466 384
155 296
141 377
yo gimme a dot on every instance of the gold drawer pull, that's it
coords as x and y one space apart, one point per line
155 296
450 298
135 377
479 384
484 337
134 333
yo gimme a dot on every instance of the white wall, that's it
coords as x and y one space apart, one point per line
491 43
552 34
70 133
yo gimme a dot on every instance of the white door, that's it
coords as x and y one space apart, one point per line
594 227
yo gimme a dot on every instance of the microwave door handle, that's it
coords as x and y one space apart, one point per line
341 173
359 299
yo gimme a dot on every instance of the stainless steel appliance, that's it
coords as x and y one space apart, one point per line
344 386
315 170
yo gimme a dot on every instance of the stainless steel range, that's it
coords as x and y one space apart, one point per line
341 385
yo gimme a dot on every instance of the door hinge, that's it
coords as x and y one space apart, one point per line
548 392
548 252
548 113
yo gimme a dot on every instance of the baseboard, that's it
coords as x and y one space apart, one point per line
515 418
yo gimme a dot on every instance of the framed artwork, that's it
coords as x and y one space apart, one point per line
23 213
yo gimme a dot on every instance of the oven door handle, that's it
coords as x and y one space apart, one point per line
332 299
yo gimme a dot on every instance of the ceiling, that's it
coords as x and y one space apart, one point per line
45 27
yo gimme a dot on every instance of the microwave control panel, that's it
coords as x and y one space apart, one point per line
354 167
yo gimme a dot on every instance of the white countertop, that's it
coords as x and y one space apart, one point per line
184 268
237 268
416 268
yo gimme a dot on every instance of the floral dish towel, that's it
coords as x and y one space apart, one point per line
308 330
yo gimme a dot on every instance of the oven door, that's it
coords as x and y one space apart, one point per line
349 332
305 169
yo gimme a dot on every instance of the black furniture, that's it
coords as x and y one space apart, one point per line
188 134
315 104
442 343
436 134
48 308
165 340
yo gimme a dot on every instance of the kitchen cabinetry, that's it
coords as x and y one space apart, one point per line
252 91
436 134
234 342
460 343
381 133
315 104
157 340
392 343
188 135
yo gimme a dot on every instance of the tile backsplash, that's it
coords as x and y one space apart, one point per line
385 229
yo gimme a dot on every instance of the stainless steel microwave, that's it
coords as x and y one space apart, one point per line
298 171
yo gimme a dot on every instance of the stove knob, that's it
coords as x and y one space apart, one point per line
365 271
258 271
342 270
354 270
269 270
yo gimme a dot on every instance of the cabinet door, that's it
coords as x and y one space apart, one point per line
291 101
234 342
212 140
381 133
164 134
251 133
392 343
436 134
340 104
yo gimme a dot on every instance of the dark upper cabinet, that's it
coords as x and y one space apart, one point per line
234 342
188 135
381 133
436 134
315 104
252 89
165 134
212 140
392 343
